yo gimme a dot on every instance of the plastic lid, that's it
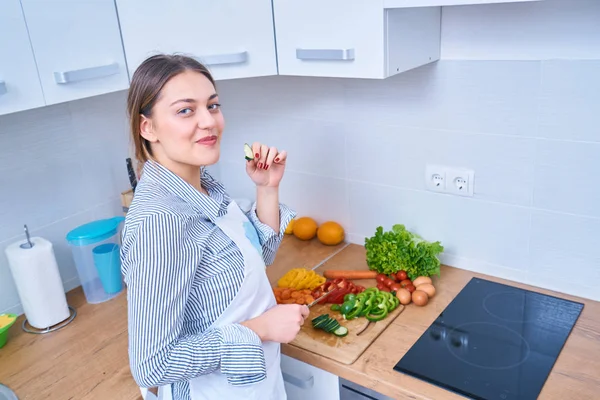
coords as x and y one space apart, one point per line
6 393
95 231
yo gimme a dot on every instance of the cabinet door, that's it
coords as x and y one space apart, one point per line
77 45
235 39
334 38
20 87
303 381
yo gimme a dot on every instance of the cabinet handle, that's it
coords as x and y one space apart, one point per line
301 383
221 59
85 74
2 88
325 54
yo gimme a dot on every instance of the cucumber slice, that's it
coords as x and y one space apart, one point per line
320 318
341 331
333 325
248 153
320 324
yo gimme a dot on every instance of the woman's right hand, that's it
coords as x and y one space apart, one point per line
279 324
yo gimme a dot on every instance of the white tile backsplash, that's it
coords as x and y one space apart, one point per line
299 134
565 248
527 128
492 232
397 156
566 176
60 167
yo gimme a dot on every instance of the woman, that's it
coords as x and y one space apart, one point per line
203 321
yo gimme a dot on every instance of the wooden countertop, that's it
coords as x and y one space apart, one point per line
88 359
576 373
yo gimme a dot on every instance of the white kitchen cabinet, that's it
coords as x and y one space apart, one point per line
354 39
77 46
235 39
20 87
303 381
429 3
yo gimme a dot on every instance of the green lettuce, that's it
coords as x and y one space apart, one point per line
399 249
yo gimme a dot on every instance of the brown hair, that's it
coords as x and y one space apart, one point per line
146 85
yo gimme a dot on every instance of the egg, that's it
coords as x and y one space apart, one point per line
427 288
404 296
420 298
421 280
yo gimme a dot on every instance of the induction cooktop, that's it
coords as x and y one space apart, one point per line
493 341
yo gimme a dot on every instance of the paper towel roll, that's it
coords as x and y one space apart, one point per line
38 282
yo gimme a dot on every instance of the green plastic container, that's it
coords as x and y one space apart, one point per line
4 329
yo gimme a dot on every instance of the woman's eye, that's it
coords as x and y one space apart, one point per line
214 107
184 111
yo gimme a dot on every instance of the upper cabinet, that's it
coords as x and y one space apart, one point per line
62 50
234 39
20 87
77 46
429 3
356 39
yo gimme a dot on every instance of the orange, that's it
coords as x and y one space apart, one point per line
330 233
289 228
305 228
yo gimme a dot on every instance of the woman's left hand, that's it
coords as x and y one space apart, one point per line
268 165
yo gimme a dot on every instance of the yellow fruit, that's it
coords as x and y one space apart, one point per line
289 228
305 228
330 233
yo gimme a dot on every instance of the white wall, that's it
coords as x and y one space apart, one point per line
60 167
529 129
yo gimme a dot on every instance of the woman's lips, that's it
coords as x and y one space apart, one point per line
208 140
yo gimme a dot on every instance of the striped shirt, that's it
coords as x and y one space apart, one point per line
181 273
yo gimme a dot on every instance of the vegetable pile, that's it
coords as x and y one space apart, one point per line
372 304
399 249
329 325
419 291
339 287
292 296
300 278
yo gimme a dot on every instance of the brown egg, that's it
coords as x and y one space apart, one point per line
427 288
404 296
420 298
421 280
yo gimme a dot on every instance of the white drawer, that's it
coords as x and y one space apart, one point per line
305 381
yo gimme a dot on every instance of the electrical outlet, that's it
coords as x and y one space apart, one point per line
460 181
435 178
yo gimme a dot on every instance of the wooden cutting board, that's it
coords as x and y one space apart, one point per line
342 349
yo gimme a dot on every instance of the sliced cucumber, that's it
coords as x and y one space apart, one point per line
320 318
341 331
332 326
320 324
329 325
248 153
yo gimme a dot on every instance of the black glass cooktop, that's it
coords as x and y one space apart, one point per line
493 341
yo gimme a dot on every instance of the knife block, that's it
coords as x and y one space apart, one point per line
126 199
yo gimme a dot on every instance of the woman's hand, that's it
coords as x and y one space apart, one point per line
279 324
267 167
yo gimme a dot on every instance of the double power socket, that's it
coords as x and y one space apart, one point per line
451 180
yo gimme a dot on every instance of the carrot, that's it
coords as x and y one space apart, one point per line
349 274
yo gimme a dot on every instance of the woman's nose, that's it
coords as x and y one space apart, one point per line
206 120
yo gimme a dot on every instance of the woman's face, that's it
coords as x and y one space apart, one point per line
186 123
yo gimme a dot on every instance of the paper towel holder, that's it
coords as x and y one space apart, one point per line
72 314
29 244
